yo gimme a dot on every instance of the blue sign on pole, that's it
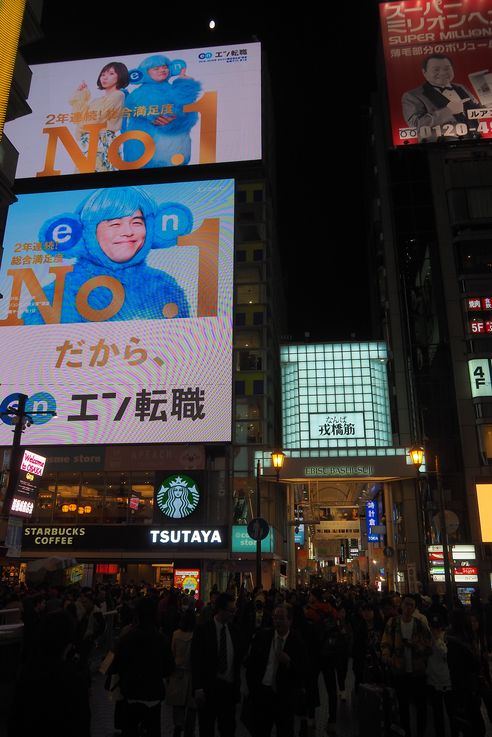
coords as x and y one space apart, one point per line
372 519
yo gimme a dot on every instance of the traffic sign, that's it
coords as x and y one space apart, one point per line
258 528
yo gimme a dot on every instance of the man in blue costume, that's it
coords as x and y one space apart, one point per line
164 119
117 235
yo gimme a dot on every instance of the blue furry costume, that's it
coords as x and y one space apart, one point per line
173 138
147 290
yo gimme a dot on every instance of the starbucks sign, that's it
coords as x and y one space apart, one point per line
177 496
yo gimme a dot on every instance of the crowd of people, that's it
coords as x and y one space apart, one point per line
259 656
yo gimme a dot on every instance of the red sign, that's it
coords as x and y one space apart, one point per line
437 58
466 571
481 326
477 304
436 556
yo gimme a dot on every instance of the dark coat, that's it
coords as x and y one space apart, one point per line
143 659
290 680
204 656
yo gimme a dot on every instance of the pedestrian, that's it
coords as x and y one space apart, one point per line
143 659
216 657
179 685
405 646
276 675
438 680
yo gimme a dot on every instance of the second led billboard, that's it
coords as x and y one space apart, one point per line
165 109
117 313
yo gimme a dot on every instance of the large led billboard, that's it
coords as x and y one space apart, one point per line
169 108
438 70
117 314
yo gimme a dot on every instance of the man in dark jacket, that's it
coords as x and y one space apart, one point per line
275 674
143 659
215 662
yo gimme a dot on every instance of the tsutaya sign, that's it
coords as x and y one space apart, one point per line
187 537
102 538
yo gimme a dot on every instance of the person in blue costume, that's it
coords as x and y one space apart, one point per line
165 121
117 235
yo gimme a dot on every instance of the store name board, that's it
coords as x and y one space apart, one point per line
339 471
339 425
480 377
54 535
477 304
243 543
185 537
121 538
461 555
372 520
337 530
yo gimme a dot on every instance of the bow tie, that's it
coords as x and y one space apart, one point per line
442 89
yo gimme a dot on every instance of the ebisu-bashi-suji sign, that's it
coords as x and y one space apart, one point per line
31 470
117 313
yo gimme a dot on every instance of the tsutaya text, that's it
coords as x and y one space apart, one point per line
176 537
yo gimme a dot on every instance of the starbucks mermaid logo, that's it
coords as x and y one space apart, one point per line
177 496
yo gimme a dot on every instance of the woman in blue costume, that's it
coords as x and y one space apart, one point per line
117 229
164 119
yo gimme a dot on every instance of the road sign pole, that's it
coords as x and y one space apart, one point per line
258 515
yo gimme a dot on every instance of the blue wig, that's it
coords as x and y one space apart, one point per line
109 204
157 60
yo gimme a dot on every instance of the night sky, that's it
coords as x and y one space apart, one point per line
322 73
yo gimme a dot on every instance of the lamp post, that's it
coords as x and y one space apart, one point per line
21 420
278 458
417 456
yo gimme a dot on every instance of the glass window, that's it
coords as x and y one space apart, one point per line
43 510
91 500
257 318
258 254
142 486
486 441
240 318
258 386
67 498
116 502
249 294
240 388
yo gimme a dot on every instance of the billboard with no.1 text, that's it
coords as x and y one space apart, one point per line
161 109
117 313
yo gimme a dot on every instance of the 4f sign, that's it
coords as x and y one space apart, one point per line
177 496
480 377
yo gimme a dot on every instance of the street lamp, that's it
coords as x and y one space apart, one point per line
417 456
21 420
278 458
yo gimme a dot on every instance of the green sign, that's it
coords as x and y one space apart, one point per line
177 496
242 543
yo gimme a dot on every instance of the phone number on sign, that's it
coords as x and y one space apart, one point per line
446 130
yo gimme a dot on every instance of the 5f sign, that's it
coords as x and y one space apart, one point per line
480 377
